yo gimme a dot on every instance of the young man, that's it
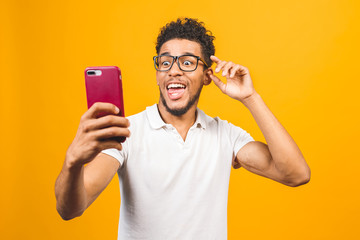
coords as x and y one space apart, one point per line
174 168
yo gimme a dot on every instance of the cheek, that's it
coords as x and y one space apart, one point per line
159 77
198 79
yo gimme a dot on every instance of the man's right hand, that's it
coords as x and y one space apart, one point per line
96 134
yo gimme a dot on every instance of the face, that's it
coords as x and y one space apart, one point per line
180 91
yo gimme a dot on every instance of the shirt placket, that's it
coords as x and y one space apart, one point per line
175 135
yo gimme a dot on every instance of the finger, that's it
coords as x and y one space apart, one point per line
100 107
233 70
243 70
111 132
226 68
215 59
218 62
220 66
218 82
104 122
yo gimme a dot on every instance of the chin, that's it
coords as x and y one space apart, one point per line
176 110
179 111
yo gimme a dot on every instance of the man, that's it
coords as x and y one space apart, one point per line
174 168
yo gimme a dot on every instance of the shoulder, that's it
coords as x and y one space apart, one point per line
142 116
137 116
215 122
225 128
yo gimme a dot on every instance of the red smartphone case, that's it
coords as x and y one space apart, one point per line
106 87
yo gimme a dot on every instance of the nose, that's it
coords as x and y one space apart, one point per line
175 70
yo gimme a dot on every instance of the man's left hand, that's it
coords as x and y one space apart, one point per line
238 85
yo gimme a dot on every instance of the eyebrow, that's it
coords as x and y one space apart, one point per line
186 53
189 53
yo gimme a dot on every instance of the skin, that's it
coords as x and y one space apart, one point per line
280 159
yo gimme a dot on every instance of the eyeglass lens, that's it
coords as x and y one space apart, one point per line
186 63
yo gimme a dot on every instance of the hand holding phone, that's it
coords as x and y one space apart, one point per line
95 134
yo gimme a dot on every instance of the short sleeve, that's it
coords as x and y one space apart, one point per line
115 153
238 138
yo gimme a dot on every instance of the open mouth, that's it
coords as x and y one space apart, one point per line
175 90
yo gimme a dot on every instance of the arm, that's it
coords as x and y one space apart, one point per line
280 160
78 186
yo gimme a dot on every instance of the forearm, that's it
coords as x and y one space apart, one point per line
71 197
285 154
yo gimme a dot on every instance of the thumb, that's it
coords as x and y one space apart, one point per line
218 82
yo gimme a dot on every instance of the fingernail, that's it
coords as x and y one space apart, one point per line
223 74
217 70
117 110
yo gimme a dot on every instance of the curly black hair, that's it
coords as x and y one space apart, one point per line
190 29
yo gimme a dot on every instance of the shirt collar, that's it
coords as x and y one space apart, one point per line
156 121
200 119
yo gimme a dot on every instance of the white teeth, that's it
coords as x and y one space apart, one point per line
175 85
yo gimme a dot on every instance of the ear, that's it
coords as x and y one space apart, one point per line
207 79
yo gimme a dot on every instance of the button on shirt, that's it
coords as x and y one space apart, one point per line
176 189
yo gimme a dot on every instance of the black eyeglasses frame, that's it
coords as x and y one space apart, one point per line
176 58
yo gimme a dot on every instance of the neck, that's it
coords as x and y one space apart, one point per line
181 123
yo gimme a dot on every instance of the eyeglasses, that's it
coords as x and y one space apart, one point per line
186 63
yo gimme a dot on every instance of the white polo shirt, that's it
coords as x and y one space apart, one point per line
175 189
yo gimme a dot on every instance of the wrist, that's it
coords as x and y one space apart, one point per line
251 100
71 163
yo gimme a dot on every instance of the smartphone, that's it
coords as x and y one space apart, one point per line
104 84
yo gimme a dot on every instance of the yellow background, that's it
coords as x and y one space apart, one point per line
303 57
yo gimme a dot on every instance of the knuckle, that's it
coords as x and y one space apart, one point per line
91 136
86 127
95 145
83 117
109 132
113 132
120 120
110 119
96 105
